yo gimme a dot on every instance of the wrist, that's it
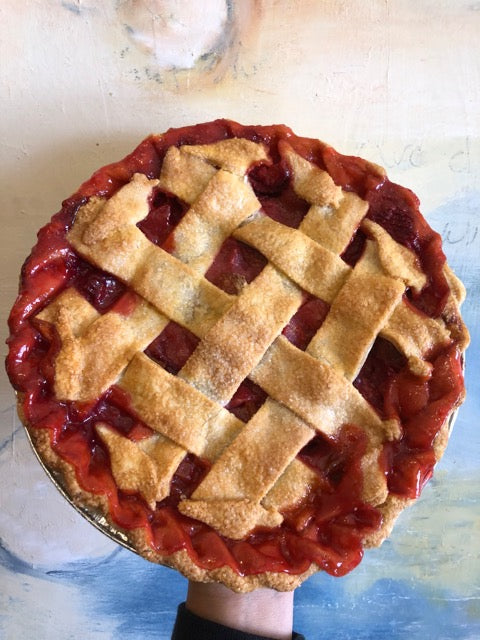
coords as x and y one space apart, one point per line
263 612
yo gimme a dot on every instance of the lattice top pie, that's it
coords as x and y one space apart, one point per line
243 348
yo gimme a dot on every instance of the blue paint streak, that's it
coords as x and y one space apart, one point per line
139 597
388 609
73 8
458 222
9 439
13 563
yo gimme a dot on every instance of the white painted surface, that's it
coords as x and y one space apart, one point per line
398 82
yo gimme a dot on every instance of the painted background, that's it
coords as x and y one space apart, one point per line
397 81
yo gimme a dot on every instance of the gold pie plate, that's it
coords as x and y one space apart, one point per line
93 516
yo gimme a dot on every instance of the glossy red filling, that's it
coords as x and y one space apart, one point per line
329 526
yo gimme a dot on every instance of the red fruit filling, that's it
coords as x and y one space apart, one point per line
329 526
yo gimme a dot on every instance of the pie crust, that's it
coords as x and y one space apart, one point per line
241 348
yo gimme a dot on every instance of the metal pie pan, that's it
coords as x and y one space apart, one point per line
93 516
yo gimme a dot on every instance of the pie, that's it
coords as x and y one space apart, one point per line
243 349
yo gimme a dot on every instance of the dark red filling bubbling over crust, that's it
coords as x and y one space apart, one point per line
329 528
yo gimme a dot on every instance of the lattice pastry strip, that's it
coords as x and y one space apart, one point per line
146 466
238 341
124 209
294 484
186 171
224 203
344 340
70 312
414 335
176 409
86 365
332 227
334 214
396 260
184 174
312 183
298 256
233 154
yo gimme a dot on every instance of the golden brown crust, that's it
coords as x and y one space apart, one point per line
396 261
224 203
181 561
229 498
345 339
86 364
184 174
132 469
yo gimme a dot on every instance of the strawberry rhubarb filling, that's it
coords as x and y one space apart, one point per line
329 526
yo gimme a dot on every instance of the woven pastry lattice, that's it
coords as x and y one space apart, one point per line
240 352
254 471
